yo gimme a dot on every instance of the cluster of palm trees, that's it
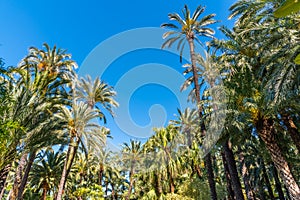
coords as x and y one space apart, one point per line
44 104
45 108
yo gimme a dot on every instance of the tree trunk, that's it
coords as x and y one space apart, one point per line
267 181
100 176
210 175
266 131
292 130
246 178
227 176
158 186
171 180
198 171
45 190
277 183
26 174
72 149
208 164
237 188
131 183
18 177
3 177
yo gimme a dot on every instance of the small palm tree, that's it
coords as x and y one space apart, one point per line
132 155
45 173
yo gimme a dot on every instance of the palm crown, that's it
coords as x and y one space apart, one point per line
188 29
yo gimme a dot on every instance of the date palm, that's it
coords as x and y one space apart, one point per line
42 91
262 62
45 173
81 129
132 157
189 28
97 94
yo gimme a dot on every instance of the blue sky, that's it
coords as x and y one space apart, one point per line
80 26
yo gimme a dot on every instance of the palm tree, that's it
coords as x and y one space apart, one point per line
81 129
190 28
45 173
96 94
44 88
132 155
162 151
256 67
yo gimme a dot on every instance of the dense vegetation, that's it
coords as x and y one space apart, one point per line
52 127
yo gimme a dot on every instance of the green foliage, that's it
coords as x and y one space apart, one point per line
199 190
297 59
93 192
287 8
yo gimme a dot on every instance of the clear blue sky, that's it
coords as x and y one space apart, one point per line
79 26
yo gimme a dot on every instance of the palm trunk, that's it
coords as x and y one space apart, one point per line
292 130
237 188
246 178
267 181
198 171
277 183
208 164
210 175
26 174
266 131
228 177
45 190
18 177
100 176
72 149
3 177
131 182
171 180
158 186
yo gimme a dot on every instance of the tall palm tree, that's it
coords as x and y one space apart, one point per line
80 129
262 62
191 27
45 88
132 156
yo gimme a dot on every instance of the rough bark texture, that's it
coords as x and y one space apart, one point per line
26 174
292 130
207 159
228 177
18 177
236 184
277 183
266 131
3 176
72 149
